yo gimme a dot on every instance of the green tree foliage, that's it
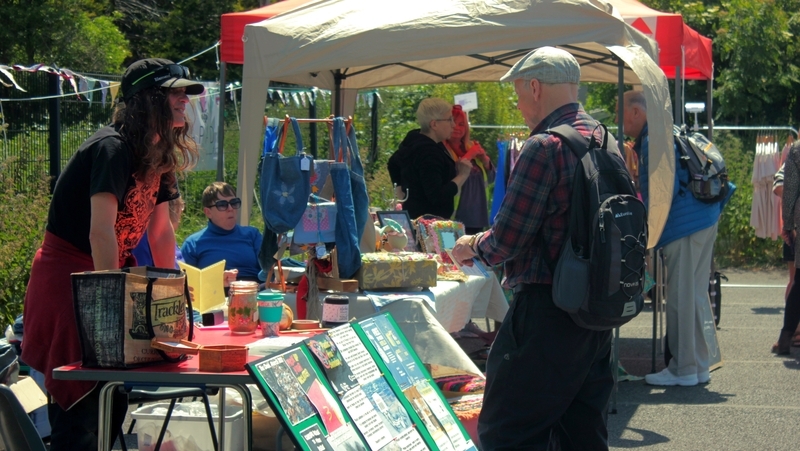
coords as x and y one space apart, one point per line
65 33
754 38
22 220
181 28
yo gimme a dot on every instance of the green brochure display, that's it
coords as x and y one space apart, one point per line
359 386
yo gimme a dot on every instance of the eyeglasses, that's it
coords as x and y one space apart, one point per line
165 72
449 119
222 205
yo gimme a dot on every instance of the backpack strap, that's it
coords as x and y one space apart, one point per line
572 138
580 147
680 140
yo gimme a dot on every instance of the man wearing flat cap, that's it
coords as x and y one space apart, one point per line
548 380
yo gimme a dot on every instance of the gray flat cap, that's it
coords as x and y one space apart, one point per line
548 65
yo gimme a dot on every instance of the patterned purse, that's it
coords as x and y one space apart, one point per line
318 223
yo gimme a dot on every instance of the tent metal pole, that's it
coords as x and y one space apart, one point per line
221 125
312 127
678 101
620 100
710 108
373 148
337 93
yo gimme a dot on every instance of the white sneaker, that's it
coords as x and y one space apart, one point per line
704 377
666 378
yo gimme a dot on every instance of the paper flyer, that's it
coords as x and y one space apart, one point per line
477 268
355 353
432 425
443 415
328 409
336 369
283 383
346 439
410 440
393 351
389 408
315 439
366 418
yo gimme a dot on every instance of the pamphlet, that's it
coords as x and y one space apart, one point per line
393 352
287 389
366 418
355 353
477 268
336 369
206 284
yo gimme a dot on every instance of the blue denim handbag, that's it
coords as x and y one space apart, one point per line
352 204
285 182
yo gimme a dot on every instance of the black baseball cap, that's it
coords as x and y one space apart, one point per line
157 72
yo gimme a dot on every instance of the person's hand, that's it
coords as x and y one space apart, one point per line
476 151
463 166
463 252
788 237
228 276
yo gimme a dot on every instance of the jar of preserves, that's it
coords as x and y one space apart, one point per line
243 307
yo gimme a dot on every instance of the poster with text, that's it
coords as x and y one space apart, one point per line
336 369
355 354
393 351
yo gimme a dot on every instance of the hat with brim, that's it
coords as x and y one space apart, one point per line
157 72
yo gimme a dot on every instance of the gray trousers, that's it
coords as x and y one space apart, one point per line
688 263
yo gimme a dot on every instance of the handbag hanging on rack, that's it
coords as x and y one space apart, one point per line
318 224
352 203
285 185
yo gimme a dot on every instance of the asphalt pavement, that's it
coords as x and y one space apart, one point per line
753 399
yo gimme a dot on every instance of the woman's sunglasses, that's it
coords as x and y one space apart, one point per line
222 205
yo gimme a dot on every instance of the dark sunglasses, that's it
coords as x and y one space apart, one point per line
164 73
222 205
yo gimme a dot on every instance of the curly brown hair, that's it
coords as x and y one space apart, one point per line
145 123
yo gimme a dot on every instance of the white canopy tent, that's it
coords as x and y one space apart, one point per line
355 44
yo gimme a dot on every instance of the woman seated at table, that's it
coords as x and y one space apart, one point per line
423 166
472 205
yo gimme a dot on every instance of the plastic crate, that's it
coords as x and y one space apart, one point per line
188 427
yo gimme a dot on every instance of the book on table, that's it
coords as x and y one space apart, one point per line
207 285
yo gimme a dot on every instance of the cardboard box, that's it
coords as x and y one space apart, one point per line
384 270
29 394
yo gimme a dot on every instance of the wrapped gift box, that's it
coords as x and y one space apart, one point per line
380 270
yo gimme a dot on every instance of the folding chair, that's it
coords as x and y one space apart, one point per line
16 428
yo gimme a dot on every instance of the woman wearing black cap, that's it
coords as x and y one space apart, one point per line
116 186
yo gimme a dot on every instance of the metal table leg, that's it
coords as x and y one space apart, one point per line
104 415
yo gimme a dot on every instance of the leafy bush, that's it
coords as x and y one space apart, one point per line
23 216
737 244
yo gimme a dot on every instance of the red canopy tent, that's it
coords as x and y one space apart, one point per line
671 34
232 27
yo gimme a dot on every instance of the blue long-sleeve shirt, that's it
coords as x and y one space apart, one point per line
238 247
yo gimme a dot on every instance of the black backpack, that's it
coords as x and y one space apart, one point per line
708 176
599 276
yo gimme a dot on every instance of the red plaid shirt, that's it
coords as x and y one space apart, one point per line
536 203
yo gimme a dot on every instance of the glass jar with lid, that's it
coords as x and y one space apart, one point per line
243 307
